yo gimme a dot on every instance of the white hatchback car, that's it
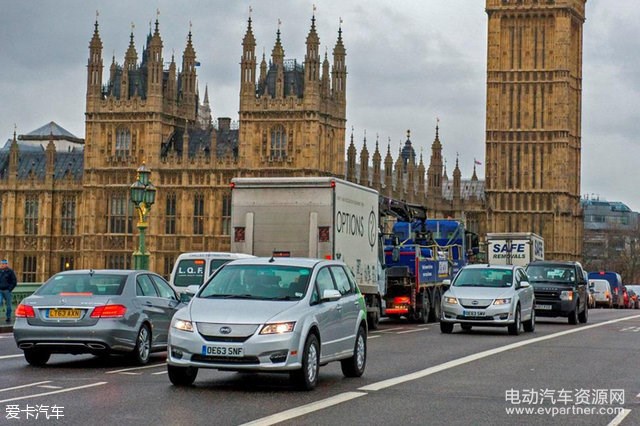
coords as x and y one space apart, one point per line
489 295
271 315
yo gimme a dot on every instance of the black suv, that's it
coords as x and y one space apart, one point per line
560 290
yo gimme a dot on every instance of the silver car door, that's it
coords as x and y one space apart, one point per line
148 300
168 301
329 314
350 308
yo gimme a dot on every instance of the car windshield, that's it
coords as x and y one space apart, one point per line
264 282
486 277
551 273
88 284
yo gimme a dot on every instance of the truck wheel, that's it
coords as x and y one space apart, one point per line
424 312
436 309
584 315
373 318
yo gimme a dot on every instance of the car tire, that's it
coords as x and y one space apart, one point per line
142 352
182 376
446 327
573 316
514 329
466 327
306 377
530 325
36 357
354 365
583 317
436 306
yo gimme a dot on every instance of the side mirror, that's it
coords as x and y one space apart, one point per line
186 297
524 284
395 254
330 295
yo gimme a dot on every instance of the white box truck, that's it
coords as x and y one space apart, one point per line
514 248
315 217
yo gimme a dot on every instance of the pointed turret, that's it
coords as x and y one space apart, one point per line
154 64
364 162
188 80
312 61
325 84
130 64
94 68
262 83
377 171
456 183
14 157
434 172
421 180
172 83
277 57
388 171
339 74
351 161
248 65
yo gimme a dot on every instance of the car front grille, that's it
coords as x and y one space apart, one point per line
475 303
468 318
221 339
549 295
246 360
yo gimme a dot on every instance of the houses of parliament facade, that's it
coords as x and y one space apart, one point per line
64 201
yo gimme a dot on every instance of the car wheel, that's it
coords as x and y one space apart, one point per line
142 351
573 316
182 376
446 327
530 325
466 327
306 378
436 309
36 357
514 329
354 366
584 315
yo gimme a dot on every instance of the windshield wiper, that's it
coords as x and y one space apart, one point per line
229 296
282 298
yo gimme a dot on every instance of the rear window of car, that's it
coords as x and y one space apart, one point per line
189 272
83 285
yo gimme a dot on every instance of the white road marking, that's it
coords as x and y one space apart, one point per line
136 368
369 337
131 373
24 386
412 331
11 356
305 409
620 417
53 392
423 325
160 372
389 329
638 395
464 360
50 387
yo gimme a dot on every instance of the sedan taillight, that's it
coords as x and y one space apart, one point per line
109 311
25 311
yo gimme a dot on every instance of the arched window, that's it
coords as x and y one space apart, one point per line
278 143
123 142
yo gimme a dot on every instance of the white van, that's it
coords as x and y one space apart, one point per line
602 292
195 268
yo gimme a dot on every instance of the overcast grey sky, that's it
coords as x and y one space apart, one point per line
408 63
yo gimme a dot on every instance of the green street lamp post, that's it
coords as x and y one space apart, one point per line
143 195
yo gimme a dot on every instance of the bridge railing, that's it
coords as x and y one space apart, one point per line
21 291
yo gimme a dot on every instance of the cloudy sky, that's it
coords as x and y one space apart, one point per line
409 63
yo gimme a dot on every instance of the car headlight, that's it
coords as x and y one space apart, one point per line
502 301
183 325
566 295
278 328
450 300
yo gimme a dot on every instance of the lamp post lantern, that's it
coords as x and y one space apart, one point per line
143 195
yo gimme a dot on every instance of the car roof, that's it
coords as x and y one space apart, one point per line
488 265
215 255
103 271
288 261
554 263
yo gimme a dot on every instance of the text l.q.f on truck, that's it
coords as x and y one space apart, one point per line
316 217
